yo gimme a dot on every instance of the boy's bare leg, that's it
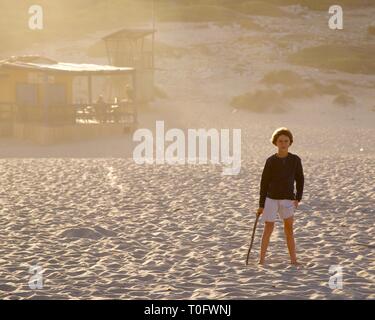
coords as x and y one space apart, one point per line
288 230
268 228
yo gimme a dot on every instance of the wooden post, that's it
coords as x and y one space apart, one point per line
89 83
117 59
143 62
135 96
45 102
153 34
108 52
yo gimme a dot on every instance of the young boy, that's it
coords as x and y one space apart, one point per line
277 191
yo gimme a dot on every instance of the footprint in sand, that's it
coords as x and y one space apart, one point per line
87 233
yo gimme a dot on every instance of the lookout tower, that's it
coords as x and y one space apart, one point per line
134 48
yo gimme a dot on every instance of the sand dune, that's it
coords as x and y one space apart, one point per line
180 232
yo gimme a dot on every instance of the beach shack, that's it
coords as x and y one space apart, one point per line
37 100
134 48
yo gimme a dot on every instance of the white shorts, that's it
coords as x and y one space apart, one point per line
272 207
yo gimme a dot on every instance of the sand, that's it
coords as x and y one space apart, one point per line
179 232
102 227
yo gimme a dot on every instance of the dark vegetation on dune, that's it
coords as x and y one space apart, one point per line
345 58
284 86
311 4
344 100
371 30
260 101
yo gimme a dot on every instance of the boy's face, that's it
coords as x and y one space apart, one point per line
283 142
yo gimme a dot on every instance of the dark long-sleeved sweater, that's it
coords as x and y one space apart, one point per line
278 178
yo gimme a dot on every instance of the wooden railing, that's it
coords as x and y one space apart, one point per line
125 113
6 112
106 113
50 115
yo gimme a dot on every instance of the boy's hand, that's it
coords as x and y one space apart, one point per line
295 203
260 211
